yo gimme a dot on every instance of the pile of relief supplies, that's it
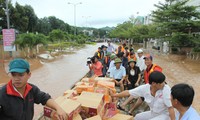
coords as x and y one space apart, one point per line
89 100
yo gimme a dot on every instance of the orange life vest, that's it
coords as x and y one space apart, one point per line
99 54
153 68
135 59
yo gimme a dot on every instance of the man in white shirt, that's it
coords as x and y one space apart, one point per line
140 60
157 95
182 96
110 48
118 74
112 63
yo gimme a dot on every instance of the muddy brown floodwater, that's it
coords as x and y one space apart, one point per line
60 75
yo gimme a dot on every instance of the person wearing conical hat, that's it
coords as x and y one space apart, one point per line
118 74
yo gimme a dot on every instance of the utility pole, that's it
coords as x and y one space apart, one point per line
7 15
86 20
8 20
75 4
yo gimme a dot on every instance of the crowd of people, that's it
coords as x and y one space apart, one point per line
139 78
125 67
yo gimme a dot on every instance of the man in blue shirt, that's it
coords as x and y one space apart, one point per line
118 74
182 97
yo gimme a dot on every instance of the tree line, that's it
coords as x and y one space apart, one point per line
32 31
172 21
24 19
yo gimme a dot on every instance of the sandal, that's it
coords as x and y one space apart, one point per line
130 113
120 108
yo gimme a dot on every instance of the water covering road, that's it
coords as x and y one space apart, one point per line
60 75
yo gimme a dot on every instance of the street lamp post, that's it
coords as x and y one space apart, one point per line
8 20
75 4
86 20
7 15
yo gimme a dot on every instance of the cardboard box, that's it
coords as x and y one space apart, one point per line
102 79
103 111
111 106
106 84
110 113
48 112
77 117
111 110
79 83
107 99
105 91
70 94
81 88
84 83
102 90
91 103
96 79
121 117
72 108
109 85
92 95
88 79
97 117
85 80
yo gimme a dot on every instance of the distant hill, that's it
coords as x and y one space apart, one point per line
107 28
90 28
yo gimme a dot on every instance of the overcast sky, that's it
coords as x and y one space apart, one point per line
91 13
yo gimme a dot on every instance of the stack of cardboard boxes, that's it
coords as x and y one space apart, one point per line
89 100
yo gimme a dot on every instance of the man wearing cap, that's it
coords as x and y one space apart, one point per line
157 96
150 67
17 98
118 73
140 60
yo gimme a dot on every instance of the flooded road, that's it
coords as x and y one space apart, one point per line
60 75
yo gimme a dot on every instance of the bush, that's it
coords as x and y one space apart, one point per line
174 50
80 41
196 49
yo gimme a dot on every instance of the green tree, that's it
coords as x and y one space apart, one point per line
56 35
43 26
177 23
27 42
32 18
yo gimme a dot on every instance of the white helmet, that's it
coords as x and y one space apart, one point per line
139 51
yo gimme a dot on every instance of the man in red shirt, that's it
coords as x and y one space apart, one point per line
17 97
150 68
